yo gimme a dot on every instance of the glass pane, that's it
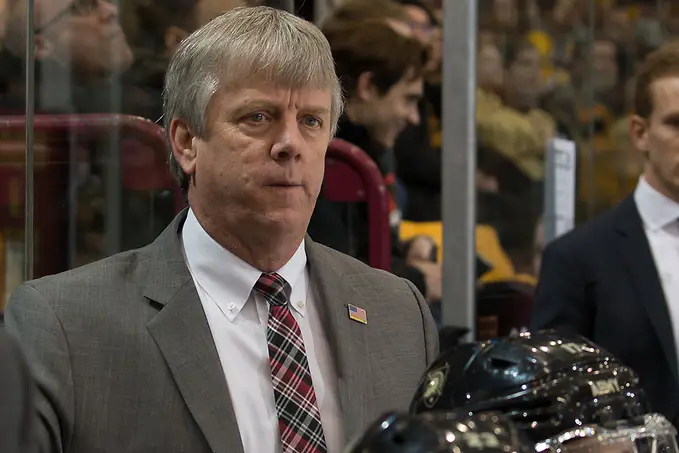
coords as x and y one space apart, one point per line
12 156
101 180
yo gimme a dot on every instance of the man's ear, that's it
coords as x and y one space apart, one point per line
43 48
638 133
365 88
183 145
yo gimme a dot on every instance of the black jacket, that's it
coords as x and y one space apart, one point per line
344 227
419 164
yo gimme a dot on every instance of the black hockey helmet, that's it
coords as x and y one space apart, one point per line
546 382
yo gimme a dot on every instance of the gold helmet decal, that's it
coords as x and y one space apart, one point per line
433 386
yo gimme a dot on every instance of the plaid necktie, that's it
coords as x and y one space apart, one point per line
299 419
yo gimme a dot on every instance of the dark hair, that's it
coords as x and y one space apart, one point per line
374 47
661 63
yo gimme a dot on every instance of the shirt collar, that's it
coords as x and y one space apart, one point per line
226 278
656 210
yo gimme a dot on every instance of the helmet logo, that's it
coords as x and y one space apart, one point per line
481 441
604 387
434 385
573 348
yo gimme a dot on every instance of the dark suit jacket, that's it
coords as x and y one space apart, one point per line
125 360
600 280
17 414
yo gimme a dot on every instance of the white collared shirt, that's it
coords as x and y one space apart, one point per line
660 216
238 319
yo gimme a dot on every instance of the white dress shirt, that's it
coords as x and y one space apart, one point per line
660 216
238 319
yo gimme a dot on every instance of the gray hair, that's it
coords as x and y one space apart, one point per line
240 43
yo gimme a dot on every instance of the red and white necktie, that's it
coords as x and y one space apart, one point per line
299 419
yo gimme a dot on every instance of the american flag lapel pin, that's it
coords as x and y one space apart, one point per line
357 314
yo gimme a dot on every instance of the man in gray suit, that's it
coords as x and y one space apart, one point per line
233 332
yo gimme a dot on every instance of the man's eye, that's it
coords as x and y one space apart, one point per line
257 117
312 122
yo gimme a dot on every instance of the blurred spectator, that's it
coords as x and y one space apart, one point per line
619 26
80 52
418 148
489 68
522 87
505 15
589 100
513 127
564 25
163 25
382 73
511 141
490 77
508 19
426 29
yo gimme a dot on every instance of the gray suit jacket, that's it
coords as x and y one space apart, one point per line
17 414
125 360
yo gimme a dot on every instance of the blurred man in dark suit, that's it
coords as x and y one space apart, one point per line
16 410
616 279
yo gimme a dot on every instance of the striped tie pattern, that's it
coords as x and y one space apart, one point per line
299 419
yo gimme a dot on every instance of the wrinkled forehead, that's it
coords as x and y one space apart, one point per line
278 79
266 93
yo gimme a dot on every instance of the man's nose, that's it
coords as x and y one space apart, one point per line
287 144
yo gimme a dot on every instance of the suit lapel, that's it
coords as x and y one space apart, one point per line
347 338
642 271
183 336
